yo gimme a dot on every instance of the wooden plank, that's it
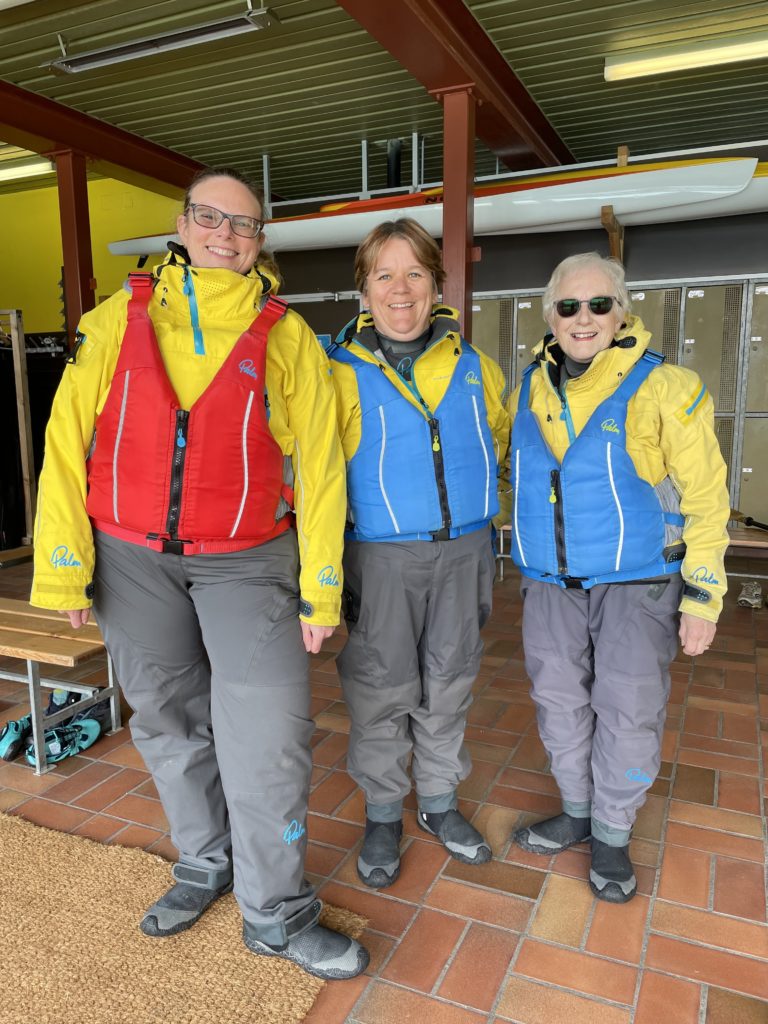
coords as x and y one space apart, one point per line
15 556
744 537
51 650
44 620
29 625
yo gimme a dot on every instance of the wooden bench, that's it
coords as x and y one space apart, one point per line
44 637
747 542
15 556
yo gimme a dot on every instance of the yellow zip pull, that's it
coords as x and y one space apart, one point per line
552 497
435 443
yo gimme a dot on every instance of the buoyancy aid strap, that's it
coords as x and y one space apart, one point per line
189 547
271 312
525 388
141 286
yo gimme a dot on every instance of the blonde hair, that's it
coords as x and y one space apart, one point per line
425 248
611 267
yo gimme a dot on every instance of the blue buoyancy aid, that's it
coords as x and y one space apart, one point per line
420 474
592 519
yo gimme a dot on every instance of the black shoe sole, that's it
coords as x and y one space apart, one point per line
612 893
378 878
483 855
13 751
148 925
519 838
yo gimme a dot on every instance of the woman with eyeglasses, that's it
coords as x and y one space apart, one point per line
196 414
619 529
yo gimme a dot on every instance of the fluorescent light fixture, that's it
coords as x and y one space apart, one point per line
248 21
683 57
30 168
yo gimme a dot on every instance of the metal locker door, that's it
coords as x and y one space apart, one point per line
711 346
753 497
530 328
659 310
492 332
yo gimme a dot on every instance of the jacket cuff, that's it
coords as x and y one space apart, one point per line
710 611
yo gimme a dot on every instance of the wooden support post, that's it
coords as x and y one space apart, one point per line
79 283
615 232
25 422
622 156
458 199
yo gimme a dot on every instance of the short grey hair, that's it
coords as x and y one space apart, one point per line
611 267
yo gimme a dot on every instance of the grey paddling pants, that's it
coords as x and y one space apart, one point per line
414 612
599 663
209 655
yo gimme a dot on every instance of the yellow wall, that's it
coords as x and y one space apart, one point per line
30 244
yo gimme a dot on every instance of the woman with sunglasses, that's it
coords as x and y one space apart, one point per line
197 411
619 528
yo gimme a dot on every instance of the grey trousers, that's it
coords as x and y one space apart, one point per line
209 655
414 612
599 663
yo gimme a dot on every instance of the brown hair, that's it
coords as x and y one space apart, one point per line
425 248
223 172
265 260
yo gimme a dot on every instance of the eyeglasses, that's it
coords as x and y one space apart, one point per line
210 217
600 305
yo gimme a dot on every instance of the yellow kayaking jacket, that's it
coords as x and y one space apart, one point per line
432 373
670 433
195 334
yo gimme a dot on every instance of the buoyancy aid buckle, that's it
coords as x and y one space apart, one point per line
573 582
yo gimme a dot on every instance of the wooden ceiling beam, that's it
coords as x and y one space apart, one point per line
44 126
443 46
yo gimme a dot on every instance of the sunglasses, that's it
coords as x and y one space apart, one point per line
210 217
600 305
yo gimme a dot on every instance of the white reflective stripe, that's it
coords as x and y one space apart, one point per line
381 468
485 456
245 464
618 509
517 491
120 423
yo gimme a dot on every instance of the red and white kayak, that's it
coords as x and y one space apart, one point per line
566 199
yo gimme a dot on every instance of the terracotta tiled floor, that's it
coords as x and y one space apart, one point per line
520 939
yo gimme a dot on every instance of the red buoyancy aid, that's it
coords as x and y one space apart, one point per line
205 480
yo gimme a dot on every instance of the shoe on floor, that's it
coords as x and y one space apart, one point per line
179 909
553 835
611 875
14 737
378 864
751 595
66 740
319 951
460 839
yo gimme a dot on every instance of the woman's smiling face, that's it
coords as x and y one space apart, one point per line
399 291
221 247
584 335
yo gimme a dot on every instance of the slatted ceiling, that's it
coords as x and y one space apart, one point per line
558 51
308 90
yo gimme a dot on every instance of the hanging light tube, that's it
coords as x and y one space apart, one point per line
248 21
684 57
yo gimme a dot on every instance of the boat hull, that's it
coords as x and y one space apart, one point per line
569 201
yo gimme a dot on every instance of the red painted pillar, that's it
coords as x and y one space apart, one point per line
79 283
458 201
